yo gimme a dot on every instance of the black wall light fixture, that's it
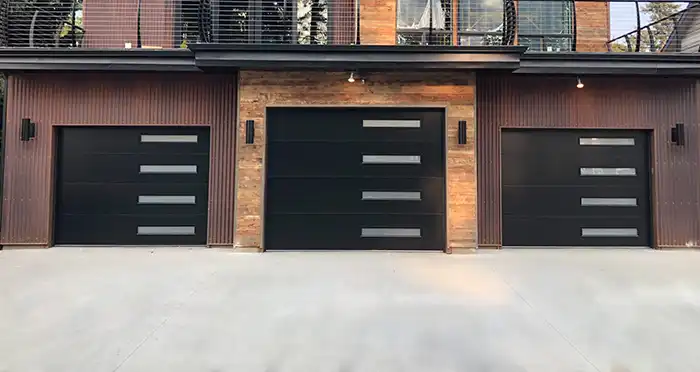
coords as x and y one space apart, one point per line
678 134
27 130
462 132
249 131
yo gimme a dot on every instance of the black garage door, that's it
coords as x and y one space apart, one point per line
355 179
575 188
132 186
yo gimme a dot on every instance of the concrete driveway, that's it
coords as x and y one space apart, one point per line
183 310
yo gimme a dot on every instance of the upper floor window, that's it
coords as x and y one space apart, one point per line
480 22
424 22
545 26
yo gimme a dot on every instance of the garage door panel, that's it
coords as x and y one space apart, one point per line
142 168
124 189
354 125
572 141
557 182
141 140
558 231
330 173
163 229
355 159
571 173
356 195
391 232
108 198
601 163
574 200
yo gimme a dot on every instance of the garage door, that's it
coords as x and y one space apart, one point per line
132 186
355 179
575 188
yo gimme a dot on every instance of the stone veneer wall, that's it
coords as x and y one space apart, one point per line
261 89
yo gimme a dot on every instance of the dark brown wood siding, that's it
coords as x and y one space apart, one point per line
52 100
654 104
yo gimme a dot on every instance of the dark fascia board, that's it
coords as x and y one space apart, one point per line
683 64
63 59
286 57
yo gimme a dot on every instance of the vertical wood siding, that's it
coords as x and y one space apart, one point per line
52 100
654 104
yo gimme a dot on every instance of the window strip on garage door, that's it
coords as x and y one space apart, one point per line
584 141
391 123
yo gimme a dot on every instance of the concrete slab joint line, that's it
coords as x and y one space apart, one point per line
155 329
549 324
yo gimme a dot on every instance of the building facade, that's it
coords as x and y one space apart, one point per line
336 124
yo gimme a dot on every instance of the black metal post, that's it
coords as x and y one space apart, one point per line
138 24
574 26
430 29
3 139
72 24
639 28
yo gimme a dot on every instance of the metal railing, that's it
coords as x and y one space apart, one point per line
652 26
553 25
170 24
41 23
674 27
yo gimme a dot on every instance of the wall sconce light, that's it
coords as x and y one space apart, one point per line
462 132
354 76
27 130
579 84
678 134
249 131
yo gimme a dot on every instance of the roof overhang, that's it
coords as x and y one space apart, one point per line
62 59
225 57
664 64
304 57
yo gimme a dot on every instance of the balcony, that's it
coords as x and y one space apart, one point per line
556 26
659 27
553 25
174 24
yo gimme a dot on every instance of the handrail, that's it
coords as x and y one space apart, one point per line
38 10
510 22
648 26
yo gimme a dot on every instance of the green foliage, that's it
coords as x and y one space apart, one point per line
663 29
50 18
65 32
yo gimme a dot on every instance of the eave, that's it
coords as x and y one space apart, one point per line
660 64
63 59
314 57
227 58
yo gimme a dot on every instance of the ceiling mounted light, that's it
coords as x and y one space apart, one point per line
351 79
579 84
